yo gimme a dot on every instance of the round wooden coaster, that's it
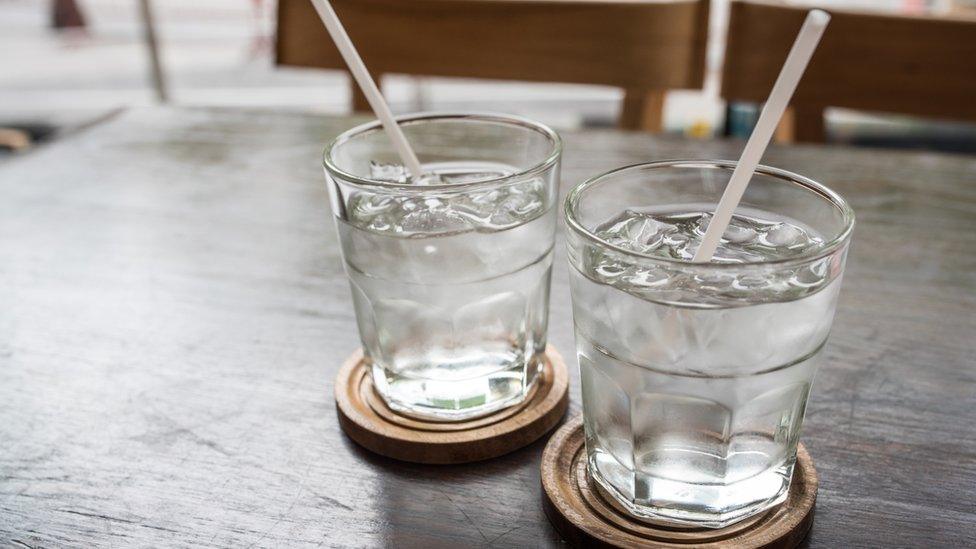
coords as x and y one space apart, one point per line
585 518
370 422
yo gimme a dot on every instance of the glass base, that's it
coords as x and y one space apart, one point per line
444 398
675 503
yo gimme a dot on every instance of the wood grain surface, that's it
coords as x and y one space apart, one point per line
173 311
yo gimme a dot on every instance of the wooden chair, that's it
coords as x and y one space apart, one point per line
923 66
642 46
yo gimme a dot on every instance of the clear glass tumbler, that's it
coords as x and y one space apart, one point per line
695 377
449 274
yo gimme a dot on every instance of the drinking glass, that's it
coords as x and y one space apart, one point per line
449 273
695 377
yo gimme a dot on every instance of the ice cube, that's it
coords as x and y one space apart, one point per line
432 220
747 281
486 199
739 234
680 245
785 235
366 205
389 173
380 223
735 254
609 269
701 226
634 231
810 276
648 234
515 207
646 277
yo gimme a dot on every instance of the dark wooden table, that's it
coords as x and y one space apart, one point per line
173 311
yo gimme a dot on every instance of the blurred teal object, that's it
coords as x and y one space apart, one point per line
740 118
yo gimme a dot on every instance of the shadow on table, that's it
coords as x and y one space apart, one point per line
494 502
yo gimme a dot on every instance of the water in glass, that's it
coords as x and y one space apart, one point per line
451 288
694 385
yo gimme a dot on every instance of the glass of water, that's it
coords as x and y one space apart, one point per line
449 272
695 377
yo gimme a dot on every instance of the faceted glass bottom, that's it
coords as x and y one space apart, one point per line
670 501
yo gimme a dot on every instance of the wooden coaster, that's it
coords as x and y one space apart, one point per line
370 422
585 518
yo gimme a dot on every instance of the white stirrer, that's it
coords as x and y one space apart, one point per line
779 98
365 81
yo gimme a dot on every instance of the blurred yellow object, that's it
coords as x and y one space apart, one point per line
699 129
14 139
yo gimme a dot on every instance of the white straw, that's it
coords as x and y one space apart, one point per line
779 98
365 81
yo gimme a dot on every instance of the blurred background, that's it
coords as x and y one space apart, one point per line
64 63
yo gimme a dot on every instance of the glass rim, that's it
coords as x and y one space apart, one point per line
555 142
575 194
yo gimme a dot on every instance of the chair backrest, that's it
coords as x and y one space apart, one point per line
922 66
643 46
